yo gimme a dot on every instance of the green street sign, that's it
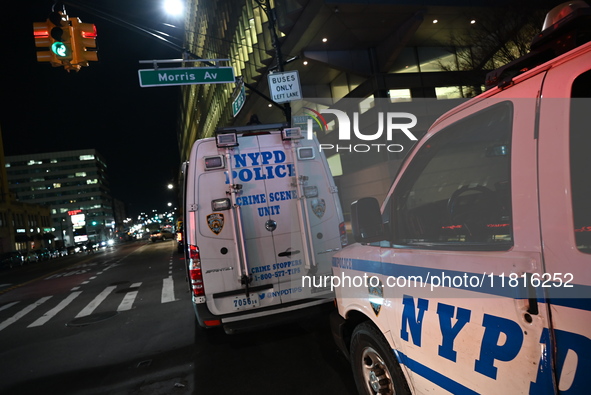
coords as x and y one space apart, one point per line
239 101
186 76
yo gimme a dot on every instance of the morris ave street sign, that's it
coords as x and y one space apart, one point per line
186 76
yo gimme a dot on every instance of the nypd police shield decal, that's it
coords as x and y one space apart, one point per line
318 207
215 221
376 294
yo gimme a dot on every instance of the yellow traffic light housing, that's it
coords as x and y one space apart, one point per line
61 44
41 34
66 41
54 34
83 42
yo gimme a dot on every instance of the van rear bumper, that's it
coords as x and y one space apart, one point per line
282 314
278 318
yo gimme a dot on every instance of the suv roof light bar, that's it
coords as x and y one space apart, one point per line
566 27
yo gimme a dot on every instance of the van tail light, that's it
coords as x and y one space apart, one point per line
343 234
195 271
212 322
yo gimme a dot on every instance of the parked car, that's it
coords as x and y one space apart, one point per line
11 259
62 251
43 254
161 235
30 256
73 250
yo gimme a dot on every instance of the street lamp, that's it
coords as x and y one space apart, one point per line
173 7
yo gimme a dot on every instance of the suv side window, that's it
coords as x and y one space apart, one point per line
456 193
580 143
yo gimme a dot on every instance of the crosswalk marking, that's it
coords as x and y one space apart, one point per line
96 301
167 296
23 312
129 298
51 313
8 305
167 290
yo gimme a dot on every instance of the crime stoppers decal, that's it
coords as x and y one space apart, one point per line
215 221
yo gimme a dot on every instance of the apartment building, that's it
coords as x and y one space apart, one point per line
75 187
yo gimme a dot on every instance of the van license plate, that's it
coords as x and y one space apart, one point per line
242 302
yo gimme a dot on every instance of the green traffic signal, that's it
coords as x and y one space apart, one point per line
60 49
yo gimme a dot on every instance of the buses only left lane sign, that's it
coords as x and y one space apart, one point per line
285 86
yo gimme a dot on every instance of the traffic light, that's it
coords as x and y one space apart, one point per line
66 41
59 35
83 42
41 34
54 34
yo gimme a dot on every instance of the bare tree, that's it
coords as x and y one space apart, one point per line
498 36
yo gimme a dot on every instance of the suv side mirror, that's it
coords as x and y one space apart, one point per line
366 221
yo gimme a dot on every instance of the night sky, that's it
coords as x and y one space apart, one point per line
47 109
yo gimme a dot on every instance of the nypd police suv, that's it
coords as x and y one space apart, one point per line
473 276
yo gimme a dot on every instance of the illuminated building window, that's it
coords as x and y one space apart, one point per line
399 95
86 157
366 104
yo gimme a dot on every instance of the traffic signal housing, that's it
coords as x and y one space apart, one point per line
41 34
59 34
65 41
83 42
53 36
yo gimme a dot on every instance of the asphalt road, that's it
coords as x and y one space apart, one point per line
120 321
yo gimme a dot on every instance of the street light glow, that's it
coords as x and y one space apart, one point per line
173 7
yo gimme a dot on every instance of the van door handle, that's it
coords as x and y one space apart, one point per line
532 298
288 252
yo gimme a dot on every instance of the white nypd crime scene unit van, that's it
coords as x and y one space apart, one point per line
261 211
473 276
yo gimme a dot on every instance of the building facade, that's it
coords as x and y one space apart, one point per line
74 185
363 52
23 226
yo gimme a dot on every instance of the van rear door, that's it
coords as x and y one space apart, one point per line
220 240
304 207
285 234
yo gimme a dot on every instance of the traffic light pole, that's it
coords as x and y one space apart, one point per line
278 53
